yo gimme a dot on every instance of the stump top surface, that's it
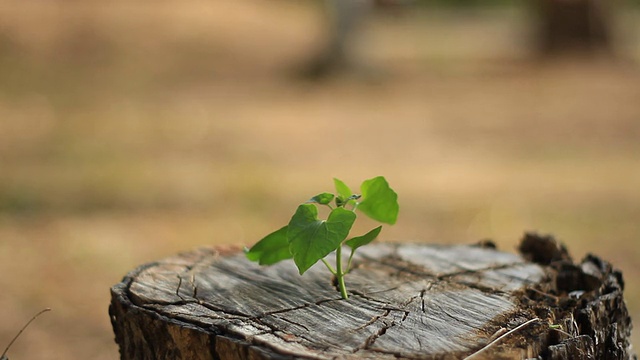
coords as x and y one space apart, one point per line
409 300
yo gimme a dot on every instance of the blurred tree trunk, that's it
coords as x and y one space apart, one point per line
344 18
575 26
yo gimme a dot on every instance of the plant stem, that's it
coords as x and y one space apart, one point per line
349 262
328 266
340 274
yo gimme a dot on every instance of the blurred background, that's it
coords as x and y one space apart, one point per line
132 130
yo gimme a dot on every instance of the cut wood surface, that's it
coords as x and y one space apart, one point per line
406 301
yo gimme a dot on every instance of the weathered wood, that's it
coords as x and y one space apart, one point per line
409 301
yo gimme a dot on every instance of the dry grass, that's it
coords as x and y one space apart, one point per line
128 133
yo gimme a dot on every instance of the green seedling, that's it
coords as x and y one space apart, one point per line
308 239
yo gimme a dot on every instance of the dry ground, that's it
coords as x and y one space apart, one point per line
131 131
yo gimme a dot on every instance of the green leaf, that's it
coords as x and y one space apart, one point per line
379 202
271 249
311 239
344 193
363 240
343 190
322 199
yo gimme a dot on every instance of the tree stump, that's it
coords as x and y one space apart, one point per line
407 301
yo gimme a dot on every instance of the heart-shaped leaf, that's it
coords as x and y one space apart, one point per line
311 239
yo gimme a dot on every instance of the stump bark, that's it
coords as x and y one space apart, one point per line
407 301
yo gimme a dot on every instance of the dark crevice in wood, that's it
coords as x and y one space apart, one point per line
281 311
484 289
371 339
192 281
178 289
373 320
275 331
294 323
422 305
404 317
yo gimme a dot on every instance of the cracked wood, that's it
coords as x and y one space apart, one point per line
407 301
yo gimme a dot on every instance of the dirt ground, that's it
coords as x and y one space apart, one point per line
132 131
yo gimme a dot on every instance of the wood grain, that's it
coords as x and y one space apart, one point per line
407 301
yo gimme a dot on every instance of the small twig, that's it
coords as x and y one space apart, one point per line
500 338
559 329
543 293
495 335
21 330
